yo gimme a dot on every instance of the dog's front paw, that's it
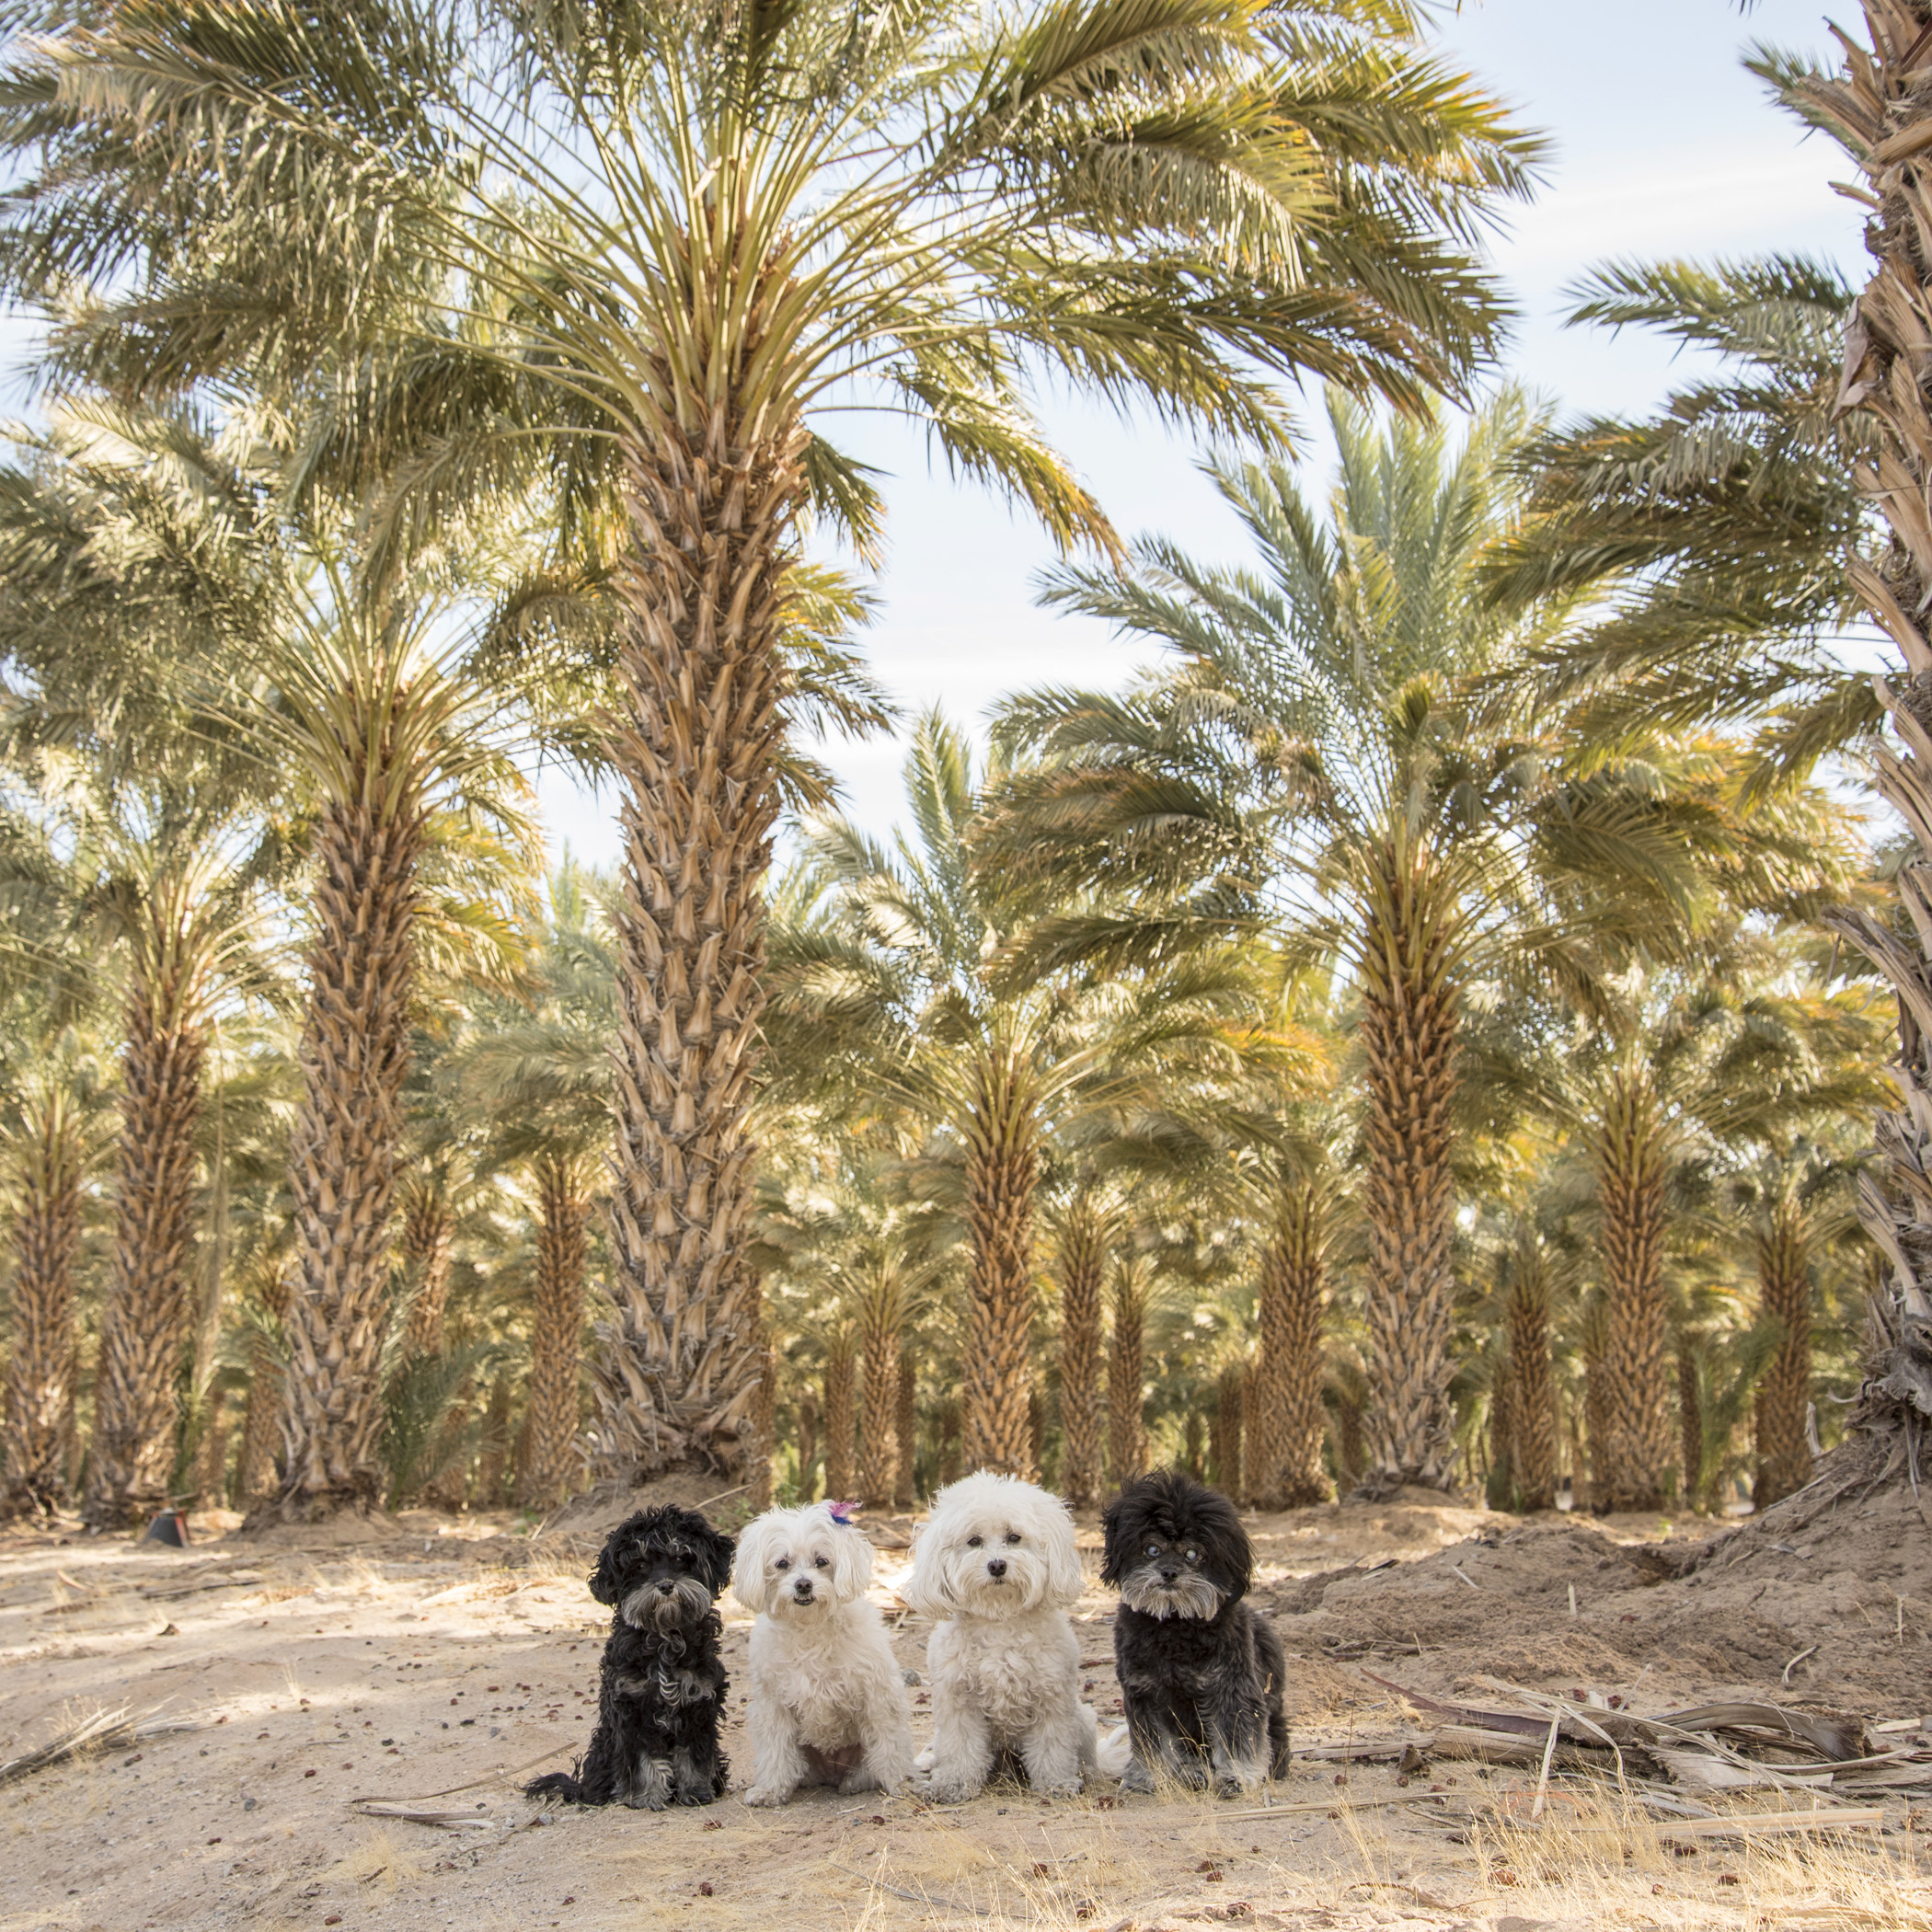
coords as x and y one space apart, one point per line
652 1800
1137 1778
1226 1785
765 1795
953 1790
1061 1787
855 1781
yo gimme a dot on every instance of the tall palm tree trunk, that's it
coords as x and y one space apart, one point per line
1879 104
553 1465
841 1419
1533 1393
676 1372
1127 1373
765 1420
806 1410
1230 1406
429 1254
1002 1174
1502 1484
1283 1461
46 1161
905 1427
261 1422
494 1453
354 1057
1083 1270
1638 1453
1594 1336
1784 1276
1411 1021
880 1313
144 1326
1690 1421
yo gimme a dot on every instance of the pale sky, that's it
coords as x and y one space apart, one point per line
1664 146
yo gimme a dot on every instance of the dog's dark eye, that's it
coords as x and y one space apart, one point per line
783 1563
974 1542
1012 1536
1153 1549
817 1562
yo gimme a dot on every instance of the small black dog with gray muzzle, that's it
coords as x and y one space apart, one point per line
662 1695
1200 1672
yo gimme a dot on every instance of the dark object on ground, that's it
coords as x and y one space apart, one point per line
1200 1673
169 1527
661 1693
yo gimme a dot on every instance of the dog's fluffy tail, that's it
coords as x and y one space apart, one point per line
556 1784
1110 1755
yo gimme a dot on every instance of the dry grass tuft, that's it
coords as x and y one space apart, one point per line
378 1860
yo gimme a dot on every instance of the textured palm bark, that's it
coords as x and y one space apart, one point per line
1351 1437
1230 1473
841 1420
1501 1483
1410 1022
676 1368
1532 1386
144 1325
1640 1455
1083 1272
428 1255
1594 1338
1127 1375
554 1463
1879 107
354 1056
906 1428
1690 1422
806 1410
254 1473
1283 1450
46 1163
1002 1134
493 1454
1784 1278
765 1418
210 1482
880 1313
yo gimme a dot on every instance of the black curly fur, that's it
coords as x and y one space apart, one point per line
660 1696
1200 1672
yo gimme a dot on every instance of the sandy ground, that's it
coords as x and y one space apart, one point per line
442 1659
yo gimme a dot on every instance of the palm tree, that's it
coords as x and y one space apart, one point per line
706 229
1127 1369
1080 1241
1873 111
52 1137
1532 1419
1712 533
540 1077
1312 766
893 982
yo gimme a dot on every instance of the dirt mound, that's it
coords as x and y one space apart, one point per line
598 1512
1828 1599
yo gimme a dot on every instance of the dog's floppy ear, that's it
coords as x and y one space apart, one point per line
923 1589
851 1562
714 1551
1065 1582
748 1565
1113 1548
604 1585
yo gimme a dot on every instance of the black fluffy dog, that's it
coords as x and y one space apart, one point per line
1200 1672
662 1689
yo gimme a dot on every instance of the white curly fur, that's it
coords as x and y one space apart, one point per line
997 1568
828 1704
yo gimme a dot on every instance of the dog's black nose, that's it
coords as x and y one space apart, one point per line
1167 1576
802 1589
997 1567
664 1587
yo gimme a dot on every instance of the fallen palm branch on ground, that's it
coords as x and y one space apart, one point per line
105 1731
1733 1746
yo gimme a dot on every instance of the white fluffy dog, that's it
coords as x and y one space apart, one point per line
828 1704
997 1568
